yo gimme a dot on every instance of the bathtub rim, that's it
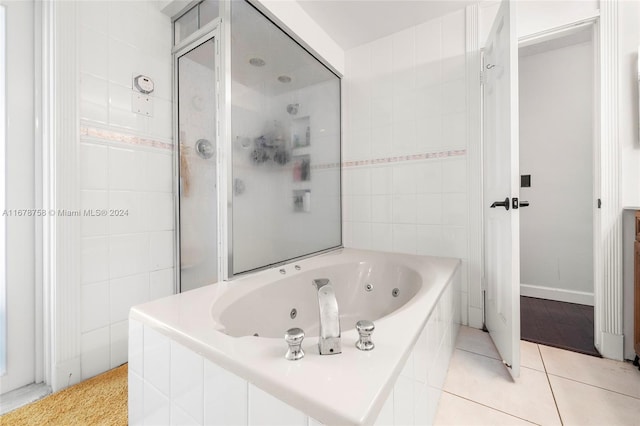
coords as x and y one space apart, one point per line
177 317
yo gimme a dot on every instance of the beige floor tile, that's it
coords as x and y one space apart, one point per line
530 356
476 341
454 410
616 376
487 381
581 404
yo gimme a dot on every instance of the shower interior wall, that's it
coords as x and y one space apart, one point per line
405 145
257 232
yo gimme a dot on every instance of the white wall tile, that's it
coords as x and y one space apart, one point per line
454 130
404 208
381 236
128 254
403 65
454 242
453 96
98 113
93 89
159 172
404 105
454 175
429 240
429 177
127 212
381 141
123 61
187 382
454 209
126 168
95 306
94 223
429 209
94 357
157 362
382 110
361 235
381 64
403 401
94 166
381 180
135 398
125 293
118 344
161 250
404 179
404 238
157 408
136 348
95 259
161 283
404 137
93 15
429 134
180 417
159 210
265 409
225 397
381 207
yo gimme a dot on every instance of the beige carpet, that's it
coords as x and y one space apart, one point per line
101 400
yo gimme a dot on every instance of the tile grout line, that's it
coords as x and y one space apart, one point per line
489 407
497 359
546 374
594 386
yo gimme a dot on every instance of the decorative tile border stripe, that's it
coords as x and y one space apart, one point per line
113 136
401 158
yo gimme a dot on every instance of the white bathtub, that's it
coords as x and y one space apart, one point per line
194 357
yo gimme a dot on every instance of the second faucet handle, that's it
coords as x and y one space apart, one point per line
294 337
365 329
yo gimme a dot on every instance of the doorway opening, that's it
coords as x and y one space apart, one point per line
557 104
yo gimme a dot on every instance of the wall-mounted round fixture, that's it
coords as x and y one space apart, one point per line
284 79
257 62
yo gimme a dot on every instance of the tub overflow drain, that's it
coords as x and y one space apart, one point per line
293 313
395 292
368 287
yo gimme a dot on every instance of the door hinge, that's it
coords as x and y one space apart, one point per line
599 203
506 364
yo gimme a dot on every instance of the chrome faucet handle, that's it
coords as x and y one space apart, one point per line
294 337
365 329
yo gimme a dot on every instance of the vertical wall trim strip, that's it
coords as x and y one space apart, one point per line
474 158
611 212
64 195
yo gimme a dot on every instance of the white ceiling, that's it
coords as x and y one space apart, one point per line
351 23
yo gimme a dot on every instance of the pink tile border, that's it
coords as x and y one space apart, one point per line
113 136
402 158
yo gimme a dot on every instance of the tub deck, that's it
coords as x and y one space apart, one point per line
315 385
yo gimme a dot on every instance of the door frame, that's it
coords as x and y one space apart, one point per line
211 31
557 32
608 284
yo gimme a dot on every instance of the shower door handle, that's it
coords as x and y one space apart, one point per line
504 204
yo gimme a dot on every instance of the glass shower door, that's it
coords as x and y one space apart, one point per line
197 167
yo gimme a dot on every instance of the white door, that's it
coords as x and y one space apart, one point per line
501 218
18 278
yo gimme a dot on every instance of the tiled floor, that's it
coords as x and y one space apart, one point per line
555 387
559 324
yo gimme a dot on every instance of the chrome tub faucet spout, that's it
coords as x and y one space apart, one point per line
329 338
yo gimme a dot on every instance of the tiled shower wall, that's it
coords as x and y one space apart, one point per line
404 147
125 164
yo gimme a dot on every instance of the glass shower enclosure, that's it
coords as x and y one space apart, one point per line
258 154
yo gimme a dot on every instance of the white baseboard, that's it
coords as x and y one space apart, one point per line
560 295
612 346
